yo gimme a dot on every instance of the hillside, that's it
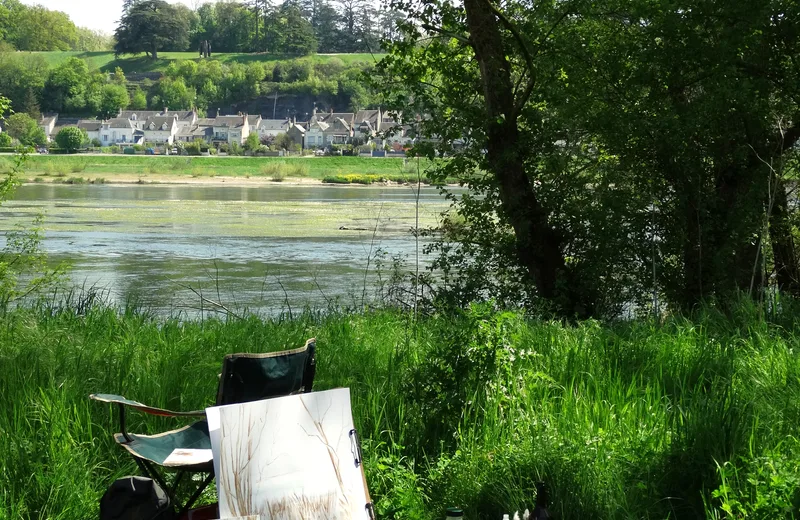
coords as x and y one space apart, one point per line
107 62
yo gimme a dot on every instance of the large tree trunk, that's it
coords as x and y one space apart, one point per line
787 269
538 244
783 250
154 52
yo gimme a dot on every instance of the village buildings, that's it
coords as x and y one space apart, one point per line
165 127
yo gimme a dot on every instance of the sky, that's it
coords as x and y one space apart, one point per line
99 15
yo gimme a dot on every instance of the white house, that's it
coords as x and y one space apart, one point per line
315 135
185 117
367 124
48 124
91 127
117 131
231 129
271 128
253 122
160 129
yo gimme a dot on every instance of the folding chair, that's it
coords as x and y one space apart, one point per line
244 378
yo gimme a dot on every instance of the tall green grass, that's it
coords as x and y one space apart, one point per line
677 420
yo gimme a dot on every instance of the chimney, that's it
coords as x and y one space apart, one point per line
166 110
217 112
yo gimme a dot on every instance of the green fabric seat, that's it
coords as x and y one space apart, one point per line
156 448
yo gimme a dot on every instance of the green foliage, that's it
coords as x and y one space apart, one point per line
66 86
5 140
150 26
761 485
627 420
114 98
138 100
70 138
639 184
253 142
283 141
35 28
22 127
174 94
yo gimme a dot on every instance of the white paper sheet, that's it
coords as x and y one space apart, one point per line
183 457
288 458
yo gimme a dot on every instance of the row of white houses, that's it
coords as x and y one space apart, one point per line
169 127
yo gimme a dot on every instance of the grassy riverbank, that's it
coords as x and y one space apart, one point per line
121 168
630 421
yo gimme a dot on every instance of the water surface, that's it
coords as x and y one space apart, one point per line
263 248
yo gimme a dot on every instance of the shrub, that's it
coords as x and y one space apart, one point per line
5 140
97 143
278 177
78 167
70 138
75 180
253 142
297 170
272 168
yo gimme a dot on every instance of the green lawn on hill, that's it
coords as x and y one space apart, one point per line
107 62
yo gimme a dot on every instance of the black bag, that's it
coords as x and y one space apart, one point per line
135 498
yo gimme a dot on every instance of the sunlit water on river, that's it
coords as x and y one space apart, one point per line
245 247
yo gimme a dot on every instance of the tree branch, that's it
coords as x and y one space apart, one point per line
520 103
458 37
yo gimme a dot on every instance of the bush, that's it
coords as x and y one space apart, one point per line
194 148
78 167
297 170
70 138
96 143
273 168
5 140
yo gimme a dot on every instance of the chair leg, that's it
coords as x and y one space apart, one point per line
196 495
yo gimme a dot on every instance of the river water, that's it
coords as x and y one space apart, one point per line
260 248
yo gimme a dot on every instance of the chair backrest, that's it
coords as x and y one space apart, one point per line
251 377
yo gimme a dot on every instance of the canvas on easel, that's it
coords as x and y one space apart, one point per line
289 458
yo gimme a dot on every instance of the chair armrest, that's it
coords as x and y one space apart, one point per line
120 400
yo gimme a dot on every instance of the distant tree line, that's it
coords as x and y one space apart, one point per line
294 27
72 88
35 28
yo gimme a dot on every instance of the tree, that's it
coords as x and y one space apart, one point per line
149 26
114 99
613 150
66 86
174 94
23 127
35 28
70 138
20 75
253 142
138 100
283 141
118 77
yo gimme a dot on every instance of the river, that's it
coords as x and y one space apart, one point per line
258 248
